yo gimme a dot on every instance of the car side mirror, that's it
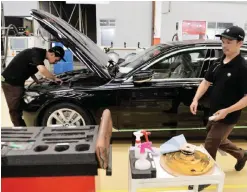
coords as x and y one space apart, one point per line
143 76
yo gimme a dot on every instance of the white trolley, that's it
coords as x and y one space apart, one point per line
165 180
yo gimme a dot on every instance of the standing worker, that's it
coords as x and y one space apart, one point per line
23 66
228 76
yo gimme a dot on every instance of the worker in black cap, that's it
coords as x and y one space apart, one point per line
228 76
23 66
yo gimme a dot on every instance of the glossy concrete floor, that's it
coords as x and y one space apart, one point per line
118 182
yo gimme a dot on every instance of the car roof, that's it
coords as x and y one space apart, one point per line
196 43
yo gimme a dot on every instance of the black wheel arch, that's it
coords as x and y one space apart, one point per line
46 106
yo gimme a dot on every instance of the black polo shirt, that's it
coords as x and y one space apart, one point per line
24 65
229 86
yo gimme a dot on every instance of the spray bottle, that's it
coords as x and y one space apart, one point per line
154 151
142 163
145 133
138 135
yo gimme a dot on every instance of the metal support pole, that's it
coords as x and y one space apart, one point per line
49 7
76 23
55 9
153 22
72 13
65 13
60 9
80 17
50 12
86 21
82 21
2 19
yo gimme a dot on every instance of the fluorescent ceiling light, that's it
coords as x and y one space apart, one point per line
87 2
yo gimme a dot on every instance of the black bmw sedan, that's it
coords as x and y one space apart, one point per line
153 90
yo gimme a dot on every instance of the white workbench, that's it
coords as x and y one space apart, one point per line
164 179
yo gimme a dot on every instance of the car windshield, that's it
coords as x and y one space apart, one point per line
141 57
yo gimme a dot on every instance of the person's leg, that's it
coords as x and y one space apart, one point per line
213 139
217 132
217 138
14 96
227 146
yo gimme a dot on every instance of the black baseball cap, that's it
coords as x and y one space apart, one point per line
59 52
233 33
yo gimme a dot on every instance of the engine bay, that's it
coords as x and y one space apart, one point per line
82 77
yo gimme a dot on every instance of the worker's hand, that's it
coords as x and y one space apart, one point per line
42 80
221 114
59 81
193 107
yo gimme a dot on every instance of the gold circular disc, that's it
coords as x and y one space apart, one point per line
181 164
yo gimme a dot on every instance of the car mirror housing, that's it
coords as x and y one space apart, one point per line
143 76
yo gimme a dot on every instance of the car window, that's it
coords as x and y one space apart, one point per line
214 55
219 53
144 56
209 58
244 54
182 65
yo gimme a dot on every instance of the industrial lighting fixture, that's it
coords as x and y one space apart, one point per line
87 2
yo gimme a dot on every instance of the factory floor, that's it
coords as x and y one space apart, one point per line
118 182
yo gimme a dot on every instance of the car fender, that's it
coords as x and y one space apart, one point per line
59 97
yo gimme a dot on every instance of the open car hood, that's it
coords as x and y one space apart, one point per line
80 45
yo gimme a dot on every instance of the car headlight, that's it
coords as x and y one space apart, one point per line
30 96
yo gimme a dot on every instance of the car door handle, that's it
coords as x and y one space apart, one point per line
188 87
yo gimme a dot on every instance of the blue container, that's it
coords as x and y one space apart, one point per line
63 66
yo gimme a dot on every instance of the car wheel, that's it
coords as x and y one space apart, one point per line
65 114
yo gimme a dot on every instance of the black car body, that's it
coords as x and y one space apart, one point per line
159 104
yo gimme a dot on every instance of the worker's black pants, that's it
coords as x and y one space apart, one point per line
14 98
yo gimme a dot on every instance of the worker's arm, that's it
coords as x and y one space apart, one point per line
202 89
38 61
242 103
44 71
35 79
221 114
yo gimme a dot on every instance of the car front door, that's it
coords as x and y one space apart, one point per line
164 101
142 106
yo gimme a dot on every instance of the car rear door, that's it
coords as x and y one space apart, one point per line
243 119
216 53
187 82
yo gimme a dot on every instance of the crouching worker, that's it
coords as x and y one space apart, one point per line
23 66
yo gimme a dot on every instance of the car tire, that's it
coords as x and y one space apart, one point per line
71 106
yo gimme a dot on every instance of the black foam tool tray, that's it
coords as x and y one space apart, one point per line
4 151
12 138
19 134
142 174
57 146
